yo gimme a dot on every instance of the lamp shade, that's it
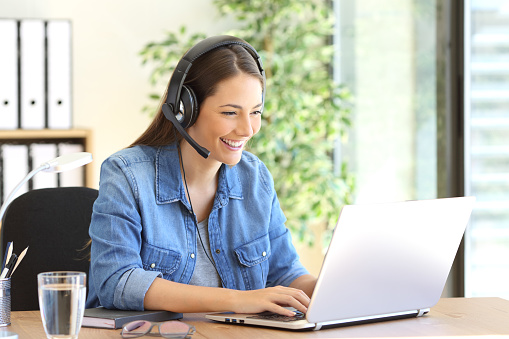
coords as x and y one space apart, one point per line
67 162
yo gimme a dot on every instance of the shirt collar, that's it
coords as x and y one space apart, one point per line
170 188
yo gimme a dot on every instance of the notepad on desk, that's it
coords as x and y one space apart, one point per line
105 318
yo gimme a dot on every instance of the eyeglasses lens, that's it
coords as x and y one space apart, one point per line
168 329
175 329
136 329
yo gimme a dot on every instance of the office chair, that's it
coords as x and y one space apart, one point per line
54 222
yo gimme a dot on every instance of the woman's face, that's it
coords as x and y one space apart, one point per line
229 118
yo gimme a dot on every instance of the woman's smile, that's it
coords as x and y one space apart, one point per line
236 145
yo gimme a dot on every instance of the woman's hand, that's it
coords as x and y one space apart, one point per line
272 299
182 298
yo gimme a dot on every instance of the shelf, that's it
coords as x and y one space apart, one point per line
81 136
21 134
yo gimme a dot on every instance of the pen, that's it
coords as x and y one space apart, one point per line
21 256
9 266
9 254
6 255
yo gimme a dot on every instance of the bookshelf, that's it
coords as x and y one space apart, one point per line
75 136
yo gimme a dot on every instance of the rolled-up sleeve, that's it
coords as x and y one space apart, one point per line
116 269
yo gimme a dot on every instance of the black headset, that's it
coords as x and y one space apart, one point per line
181 106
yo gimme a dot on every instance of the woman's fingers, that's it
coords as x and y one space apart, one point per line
291 297
273 299
289 301
281 310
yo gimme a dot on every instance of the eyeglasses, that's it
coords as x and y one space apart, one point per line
168 329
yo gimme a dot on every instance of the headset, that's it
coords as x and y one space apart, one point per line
181 106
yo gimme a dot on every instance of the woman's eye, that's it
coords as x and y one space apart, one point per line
257 112
229 113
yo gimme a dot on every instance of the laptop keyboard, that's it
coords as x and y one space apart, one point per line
278 317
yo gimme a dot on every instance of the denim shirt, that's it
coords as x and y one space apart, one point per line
142 228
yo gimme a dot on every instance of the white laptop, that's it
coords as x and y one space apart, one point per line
385 261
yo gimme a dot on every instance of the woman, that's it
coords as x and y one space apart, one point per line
179 231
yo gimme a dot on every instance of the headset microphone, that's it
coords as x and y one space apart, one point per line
170 116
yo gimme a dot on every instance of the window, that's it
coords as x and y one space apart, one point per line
487 147
386 55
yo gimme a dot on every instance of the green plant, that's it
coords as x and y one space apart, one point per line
305 110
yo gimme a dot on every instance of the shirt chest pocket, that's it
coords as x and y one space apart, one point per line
160 259
253 262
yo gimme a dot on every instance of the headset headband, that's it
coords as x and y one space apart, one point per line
201 48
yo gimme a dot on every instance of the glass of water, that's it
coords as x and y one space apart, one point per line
62 303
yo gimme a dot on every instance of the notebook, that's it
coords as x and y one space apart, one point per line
385 261
106 318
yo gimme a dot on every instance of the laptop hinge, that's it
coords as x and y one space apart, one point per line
422 312
318 326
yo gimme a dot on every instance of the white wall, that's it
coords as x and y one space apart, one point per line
110 86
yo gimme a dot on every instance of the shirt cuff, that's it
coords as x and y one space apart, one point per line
132 287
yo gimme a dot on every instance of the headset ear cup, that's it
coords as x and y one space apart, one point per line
188 107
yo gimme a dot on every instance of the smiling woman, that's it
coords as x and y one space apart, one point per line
186 219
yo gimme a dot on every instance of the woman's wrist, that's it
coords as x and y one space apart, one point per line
229 299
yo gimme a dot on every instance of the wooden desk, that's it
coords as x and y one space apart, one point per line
450 317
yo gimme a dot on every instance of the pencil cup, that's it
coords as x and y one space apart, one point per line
5 302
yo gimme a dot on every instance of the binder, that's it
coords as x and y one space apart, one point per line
9 74
32 68
58 33
39 154
15 168
75 177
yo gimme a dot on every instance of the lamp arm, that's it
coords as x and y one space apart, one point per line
21 183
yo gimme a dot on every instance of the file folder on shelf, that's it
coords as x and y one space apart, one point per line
75 177
58 34
32 68
9 74
39 154
15 168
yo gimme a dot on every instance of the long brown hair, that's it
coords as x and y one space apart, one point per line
207 71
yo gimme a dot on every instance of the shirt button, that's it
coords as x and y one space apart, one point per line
192 255
218 251
264 253
152 265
